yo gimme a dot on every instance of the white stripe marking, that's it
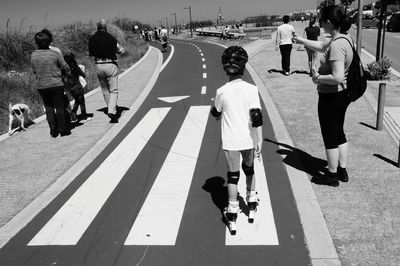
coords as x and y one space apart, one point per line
203 90
263 230
204 75
68 225
204 66
203 59
202 54
159 219
169 57
199 50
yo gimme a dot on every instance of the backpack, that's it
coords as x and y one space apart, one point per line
356 76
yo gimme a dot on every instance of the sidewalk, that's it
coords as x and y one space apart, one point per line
363 216
32 161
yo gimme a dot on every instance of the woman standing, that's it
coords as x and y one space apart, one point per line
331 83
47 66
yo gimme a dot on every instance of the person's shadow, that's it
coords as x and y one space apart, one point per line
120 110
219 195
276 71
302 161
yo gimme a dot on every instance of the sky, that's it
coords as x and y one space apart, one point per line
48 13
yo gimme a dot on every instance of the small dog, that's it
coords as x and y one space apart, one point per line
18 111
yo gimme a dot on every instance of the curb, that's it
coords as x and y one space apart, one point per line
19 221
88 94
317 236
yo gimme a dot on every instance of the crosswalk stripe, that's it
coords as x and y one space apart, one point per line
263 230
69 224
160 216
203 90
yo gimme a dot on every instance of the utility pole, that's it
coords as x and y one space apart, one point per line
359 24
166 19
190 19
380 26
176 28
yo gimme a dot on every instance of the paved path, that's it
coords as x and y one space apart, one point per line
154 195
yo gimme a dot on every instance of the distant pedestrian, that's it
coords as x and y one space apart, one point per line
284 37
302 19
75 88
331 84
104 48
237 104
312 32
156 35
47 66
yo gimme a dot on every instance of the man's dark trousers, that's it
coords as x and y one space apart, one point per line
285 49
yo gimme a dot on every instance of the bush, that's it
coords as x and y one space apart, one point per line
17 79
380 70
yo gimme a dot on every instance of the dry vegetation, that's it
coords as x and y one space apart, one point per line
16 46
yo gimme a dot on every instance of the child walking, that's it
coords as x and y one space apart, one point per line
237 104
74 86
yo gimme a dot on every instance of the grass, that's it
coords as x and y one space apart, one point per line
17 79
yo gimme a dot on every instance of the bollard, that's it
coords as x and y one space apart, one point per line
381 106
398 160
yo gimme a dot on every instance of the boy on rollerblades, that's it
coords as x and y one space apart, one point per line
237 104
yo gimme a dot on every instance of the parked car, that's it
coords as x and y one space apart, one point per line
393 23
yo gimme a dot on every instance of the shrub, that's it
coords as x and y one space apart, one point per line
17 79
380 70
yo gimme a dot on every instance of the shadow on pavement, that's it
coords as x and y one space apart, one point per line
120 110
303 72
219 195
367 125
301 160
383 158
276 71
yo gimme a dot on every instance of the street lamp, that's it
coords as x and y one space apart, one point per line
190 18
166 19
176 28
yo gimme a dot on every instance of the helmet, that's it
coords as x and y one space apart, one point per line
234 60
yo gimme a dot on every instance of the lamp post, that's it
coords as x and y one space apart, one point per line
359 28
176 27
190 19
166 19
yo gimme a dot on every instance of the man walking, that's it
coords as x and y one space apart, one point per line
104 48
284 37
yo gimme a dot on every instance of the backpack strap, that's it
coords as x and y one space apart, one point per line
352 47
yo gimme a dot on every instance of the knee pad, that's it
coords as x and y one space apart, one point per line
248 170
233 177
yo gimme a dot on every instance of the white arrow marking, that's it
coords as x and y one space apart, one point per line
172 99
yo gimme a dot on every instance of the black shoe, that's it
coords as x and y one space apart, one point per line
329 179
54 133
342 174
65 133
113 118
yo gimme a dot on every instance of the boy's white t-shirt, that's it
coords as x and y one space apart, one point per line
234 100
285 32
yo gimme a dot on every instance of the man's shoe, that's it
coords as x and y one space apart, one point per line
329 179
54 133
113 118
342 174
